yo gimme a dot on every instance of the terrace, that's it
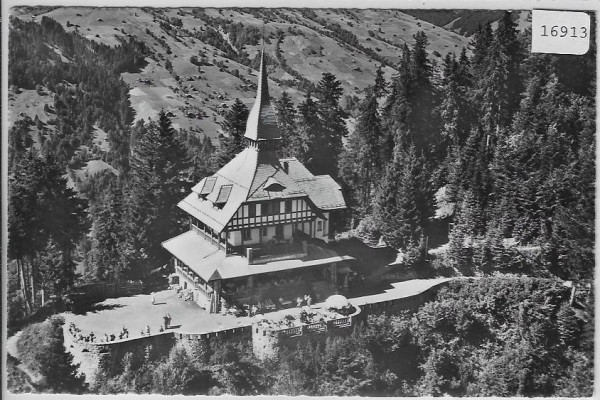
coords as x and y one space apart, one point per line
137 313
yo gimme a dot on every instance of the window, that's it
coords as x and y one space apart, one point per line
271 208
288 206
252 209
264 230
246 234
319 226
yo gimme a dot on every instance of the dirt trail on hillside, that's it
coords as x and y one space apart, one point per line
11 348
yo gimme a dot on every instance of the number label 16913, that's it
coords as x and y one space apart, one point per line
563 31
560 32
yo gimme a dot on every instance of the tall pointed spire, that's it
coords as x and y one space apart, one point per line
262 120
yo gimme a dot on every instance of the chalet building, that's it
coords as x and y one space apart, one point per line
260 226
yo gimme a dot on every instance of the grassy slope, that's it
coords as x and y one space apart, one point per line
206 91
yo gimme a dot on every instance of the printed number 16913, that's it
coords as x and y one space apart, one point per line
562 31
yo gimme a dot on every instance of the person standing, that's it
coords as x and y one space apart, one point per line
153 298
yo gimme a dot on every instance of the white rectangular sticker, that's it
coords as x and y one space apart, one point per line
560 32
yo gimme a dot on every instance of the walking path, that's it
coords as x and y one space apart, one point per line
400 290
11 348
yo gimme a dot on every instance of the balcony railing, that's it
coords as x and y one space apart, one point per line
342 322
316 327
260 254
295 331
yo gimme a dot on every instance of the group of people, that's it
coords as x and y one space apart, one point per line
78 335
124 334
91 337
307 300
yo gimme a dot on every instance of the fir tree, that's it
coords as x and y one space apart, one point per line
234 127
326 147
44 216
361 163
160 169
286 120
398 205
309 129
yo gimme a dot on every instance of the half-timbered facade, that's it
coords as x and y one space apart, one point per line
259 226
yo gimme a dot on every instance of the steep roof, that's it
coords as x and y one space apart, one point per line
322 190
262 120
256 174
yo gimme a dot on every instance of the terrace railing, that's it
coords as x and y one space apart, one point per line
342 322
276 252
291 332
316 327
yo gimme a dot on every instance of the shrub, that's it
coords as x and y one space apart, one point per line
42 349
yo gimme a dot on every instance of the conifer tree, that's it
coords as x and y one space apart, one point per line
234 127
326 147
112 254
309 129
398 204
160 177
380 87
44 216
361 163
480 44
286 120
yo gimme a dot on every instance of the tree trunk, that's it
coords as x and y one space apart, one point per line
23 284
32 289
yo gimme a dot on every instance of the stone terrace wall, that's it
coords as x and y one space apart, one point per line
95 357
200 346
106 357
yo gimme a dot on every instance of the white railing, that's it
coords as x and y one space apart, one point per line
316 327
294 331
342 322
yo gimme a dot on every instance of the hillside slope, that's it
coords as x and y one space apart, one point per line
302 44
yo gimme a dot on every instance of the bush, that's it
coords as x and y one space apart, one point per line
42 350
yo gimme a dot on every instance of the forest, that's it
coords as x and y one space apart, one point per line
494 147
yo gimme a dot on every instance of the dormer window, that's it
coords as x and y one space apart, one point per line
209 185
223 196
273 185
